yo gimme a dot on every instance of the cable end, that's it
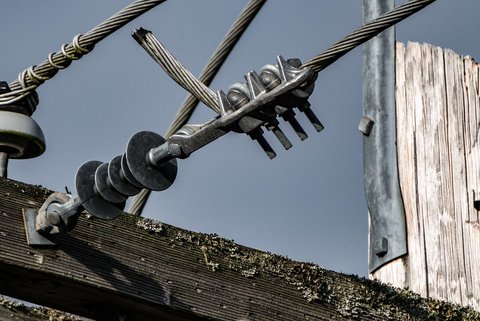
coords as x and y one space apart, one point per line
139 34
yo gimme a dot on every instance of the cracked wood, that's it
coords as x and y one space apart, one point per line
438 122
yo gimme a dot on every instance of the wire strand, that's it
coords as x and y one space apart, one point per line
175 70
218 58
317 63
34 76
208 73
365 33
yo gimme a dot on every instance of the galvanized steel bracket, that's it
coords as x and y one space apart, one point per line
387 234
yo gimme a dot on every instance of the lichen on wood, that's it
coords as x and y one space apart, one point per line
352 296
149 270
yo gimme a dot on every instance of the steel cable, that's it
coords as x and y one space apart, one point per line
317 63
217 59
175 70
365 33
34 76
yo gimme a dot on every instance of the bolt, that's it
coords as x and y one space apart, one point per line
163 153
289 116
380 247
365 125
236 98
257 134
3 164
269 79
476 204
273 127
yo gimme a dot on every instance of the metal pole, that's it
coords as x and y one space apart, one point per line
385 204
3 164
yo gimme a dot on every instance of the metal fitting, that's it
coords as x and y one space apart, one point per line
58 214
163 153
365 125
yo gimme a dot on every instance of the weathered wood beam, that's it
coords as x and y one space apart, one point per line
146 270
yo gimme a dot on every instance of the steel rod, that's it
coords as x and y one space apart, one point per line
3 164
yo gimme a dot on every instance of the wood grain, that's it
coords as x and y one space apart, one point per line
437 99
145 270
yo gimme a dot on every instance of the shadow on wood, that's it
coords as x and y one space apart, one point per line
146 270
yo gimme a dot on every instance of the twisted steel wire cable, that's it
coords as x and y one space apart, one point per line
32 77
216 61
320 62
184 78
365 33
174 69
208 73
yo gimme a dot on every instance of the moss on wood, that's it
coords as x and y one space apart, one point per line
354 297
145 264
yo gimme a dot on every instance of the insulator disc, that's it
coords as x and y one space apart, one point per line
118 180
20 135
91 199
105 188
128 174
156 178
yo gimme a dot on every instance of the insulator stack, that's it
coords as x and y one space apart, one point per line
103 188
150 161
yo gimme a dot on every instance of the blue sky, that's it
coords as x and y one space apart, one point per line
308 203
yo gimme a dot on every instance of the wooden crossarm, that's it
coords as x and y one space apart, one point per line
146 270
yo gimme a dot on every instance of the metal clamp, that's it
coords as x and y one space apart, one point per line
275 92
150 161
247 107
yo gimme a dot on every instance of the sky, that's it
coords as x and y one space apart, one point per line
308 203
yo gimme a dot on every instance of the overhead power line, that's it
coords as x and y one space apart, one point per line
365 33
34 76
213 66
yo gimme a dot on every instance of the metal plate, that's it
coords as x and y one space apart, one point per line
91 200
387 228
118 180
105 188
33 237
155 178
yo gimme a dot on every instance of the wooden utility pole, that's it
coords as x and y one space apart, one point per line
438 131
